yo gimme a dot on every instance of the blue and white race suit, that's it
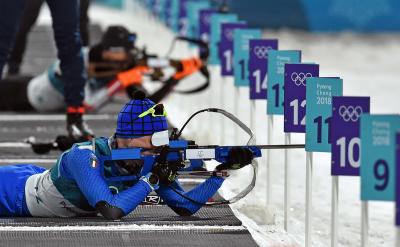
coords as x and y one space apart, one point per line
76 184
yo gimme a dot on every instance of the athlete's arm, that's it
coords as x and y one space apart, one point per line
199 195
83 166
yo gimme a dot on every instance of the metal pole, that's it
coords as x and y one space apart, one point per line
252 115
269 142
397 227
223 84
335 211
286 188
236 111
309 167
364 224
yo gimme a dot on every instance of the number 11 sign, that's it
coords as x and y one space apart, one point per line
320 91
258 66
345 134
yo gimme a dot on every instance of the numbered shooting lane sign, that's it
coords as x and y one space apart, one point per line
205 24
182 18
193 10
345 134
215 34
158 8
241 48
258 69
319 93
398 177
295 95
226 47
276 78
378 167
173 15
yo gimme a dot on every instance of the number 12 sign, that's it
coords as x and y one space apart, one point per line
345 134
258 66
378 167
295 95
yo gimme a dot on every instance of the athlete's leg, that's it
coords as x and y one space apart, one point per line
10 14
12 188
84 22
29 17
65 14
14 96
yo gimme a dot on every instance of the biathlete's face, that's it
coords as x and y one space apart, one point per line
115 56
134 166
140 142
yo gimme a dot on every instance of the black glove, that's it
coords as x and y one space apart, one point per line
77 128
66 142
238 157
166 172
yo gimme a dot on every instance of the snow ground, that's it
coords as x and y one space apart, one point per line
369 66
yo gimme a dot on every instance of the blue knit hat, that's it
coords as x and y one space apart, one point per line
130 125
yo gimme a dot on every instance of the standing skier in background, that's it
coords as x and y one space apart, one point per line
29 17
65 15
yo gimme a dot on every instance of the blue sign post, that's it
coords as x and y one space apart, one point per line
319 93
295 95
193 14
205 24
241 48
378 167
173 15
345 134
276 78
215 34
258 69
398 178
226 47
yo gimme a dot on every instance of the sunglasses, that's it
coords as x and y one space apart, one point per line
157 110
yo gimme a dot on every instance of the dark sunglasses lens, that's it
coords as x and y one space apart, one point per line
159 109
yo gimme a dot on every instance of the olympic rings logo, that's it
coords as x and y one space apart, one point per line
261 51
229 34
300 78
350 113
207 19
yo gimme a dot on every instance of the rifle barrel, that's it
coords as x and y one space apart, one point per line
282 146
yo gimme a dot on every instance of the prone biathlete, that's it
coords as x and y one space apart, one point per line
113 65
77 185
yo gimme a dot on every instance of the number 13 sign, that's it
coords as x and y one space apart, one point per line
378 167
345 134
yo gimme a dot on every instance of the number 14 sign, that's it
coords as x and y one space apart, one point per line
258 66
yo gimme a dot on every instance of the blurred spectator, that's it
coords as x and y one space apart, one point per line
29 17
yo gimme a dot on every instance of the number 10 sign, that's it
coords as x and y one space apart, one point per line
345 134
